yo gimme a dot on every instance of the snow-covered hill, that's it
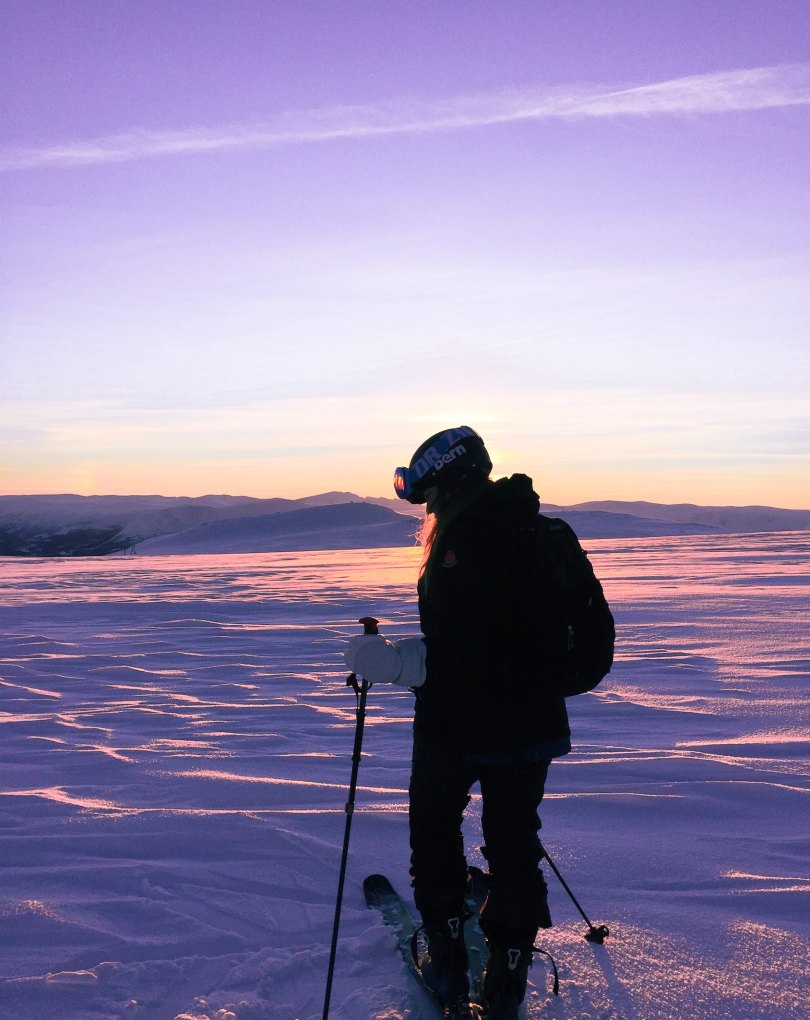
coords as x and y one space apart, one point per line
732 519
70 525
362 525
342 526
600 524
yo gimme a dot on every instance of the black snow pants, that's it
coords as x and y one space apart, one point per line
511 793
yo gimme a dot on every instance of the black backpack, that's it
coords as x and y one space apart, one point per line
576 625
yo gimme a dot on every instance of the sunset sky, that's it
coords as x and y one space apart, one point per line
266 248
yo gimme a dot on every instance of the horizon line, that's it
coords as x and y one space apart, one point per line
330 492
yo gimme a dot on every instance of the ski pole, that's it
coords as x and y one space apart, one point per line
360 686
593 934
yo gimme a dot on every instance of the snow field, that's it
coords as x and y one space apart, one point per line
176 741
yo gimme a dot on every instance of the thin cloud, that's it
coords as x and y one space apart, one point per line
717 93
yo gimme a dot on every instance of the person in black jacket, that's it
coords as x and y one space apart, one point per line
482 715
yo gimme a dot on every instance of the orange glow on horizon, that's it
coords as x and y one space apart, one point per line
776 487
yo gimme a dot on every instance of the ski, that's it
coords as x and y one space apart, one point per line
477 892
381 895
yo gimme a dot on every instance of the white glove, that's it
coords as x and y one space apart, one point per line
412 654
372 657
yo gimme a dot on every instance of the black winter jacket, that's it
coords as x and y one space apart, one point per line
485 690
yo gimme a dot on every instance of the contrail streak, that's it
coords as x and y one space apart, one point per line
720 92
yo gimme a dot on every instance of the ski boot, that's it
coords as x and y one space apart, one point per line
444 966
504 983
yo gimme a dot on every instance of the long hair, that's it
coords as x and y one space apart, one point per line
435 526
427 539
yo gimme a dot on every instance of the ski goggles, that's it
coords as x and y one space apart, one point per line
406 485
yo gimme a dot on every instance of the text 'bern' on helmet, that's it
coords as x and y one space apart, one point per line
448 460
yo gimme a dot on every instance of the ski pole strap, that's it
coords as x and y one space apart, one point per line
556 988
357 685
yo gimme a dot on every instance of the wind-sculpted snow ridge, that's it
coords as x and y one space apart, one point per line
176 743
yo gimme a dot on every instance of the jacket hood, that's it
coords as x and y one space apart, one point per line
512 498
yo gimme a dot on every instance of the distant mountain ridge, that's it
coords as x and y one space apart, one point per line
72 525
69 525
723 518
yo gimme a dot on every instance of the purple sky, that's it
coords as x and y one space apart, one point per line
267 247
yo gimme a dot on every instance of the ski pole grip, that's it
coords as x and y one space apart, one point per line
369 628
